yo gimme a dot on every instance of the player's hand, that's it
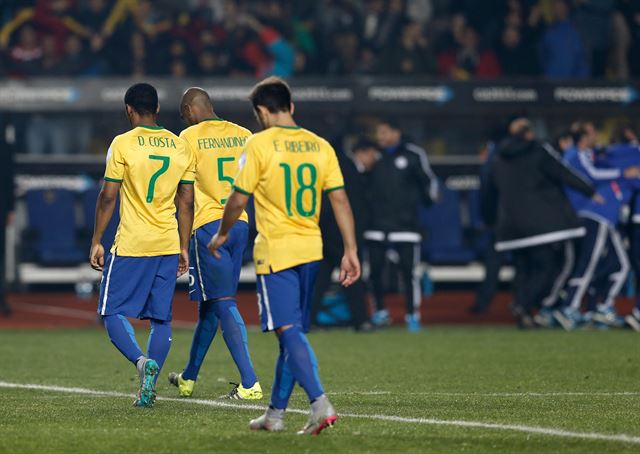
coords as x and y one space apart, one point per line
597 198
349 268
183 263
632 172
216 243
96 256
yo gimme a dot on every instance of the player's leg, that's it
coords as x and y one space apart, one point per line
227 274
125 288
5 309
123 337
590 252
410 271
285 299
377 259
521 282
615 270
207 325
323 281
633 319
158 310
543 259
203 336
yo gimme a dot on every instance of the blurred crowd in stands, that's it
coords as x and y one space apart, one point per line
459 39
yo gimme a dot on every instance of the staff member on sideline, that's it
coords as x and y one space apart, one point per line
401 181
354 170
524 193
7 144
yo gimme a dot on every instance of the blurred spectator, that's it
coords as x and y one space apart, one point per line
514 55
410 55
472 39
593 20
345 53
76 60
468 60
26 56
562 52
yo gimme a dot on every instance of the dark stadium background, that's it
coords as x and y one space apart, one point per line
65 65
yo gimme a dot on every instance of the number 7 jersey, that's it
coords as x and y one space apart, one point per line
217 145
150 162
287 169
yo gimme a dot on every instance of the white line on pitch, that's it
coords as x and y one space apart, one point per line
622 438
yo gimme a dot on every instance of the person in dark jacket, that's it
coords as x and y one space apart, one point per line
7 141
401 182
354 168
524 197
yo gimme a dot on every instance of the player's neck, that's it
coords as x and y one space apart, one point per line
283 119
146 120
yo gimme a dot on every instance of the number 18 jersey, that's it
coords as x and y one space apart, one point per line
287 169
150 162
217 145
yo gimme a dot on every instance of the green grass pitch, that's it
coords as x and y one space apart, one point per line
439 380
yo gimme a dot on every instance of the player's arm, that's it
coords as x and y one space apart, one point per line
350 265
236 203
184 204
104 210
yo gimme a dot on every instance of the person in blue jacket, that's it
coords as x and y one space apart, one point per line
625 152
600 217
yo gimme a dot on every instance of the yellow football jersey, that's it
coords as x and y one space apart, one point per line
286 169
217 145
150 162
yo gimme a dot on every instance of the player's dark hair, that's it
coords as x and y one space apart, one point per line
623 133
272 93
363 144
578 134
143 98
391 122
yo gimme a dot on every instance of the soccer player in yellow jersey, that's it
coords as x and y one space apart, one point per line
286 168
217 145
153 170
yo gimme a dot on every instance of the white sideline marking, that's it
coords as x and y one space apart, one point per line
622 438
522 394
81 314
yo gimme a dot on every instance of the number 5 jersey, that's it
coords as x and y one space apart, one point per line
217 145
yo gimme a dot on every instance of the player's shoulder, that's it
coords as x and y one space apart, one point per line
121 140
325 145
260 137
187 132
239 130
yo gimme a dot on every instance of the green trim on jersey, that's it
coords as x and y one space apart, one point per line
327 191
240 190
186 182
214 119
153 128
113 180
288 127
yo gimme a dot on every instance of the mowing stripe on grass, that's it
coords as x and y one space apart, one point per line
548 431
521 394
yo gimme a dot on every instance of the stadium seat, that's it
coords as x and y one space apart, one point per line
445 237
89 199
52 225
